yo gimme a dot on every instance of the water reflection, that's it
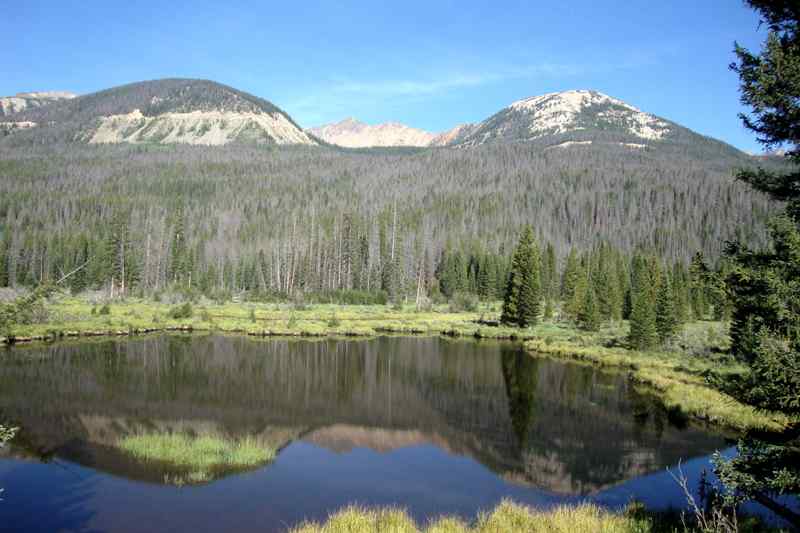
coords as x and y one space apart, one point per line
564 428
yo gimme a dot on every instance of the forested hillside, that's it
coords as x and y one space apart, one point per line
292 219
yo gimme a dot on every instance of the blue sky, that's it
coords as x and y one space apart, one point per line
429 64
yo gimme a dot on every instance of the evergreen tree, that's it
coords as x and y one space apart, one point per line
666 317
523 291
680 292
589 316
765 285
644 281
4 246
698 272
573 274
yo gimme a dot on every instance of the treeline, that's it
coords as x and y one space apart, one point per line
291 221
604 284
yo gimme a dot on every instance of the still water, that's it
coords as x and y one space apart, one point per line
434 425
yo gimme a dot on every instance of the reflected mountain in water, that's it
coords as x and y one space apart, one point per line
562 427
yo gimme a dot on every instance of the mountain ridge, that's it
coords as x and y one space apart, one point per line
352 133
193 111
172 110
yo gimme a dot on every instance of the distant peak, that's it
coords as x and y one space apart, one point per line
572 100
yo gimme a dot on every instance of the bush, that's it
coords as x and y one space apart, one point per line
463 302
105 310
334 321
253 315
181 311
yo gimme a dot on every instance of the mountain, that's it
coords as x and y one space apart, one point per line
10 105
453 136
568 119
566 112
352 133
164 111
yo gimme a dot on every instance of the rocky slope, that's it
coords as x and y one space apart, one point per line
164 111
22 101
352 133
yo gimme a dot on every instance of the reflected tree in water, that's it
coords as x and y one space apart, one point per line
520 376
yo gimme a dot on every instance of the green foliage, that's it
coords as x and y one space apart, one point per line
105 310
666 315
197 456
463 302
589 315
765 285
523 290
644 284
182 311
26 309
333 321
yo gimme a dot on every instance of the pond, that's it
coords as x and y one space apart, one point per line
437 426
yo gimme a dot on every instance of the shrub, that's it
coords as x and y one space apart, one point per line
105 310
334 321
181 311
463 302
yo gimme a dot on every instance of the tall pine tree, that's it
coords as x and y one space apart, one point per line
523 290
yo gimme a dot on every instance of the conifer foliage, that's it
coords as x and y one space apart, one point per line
764 285
644 287
523 288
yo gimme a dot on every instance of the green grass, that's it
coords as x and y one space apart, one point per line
71 316
506 517
676 373
195 459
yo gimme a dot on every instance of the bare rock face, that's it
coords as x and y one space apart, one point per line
21 101
352 133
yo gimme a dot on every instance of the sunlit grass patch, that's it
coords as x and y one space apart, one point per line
196 458
506 517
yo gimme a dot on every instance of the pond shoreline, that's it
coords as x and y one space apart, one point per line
677 378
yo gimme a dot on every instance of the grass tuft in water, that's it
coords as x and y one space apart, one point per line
199 454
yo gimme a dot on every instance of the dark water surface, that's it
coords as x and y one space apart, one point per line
430 424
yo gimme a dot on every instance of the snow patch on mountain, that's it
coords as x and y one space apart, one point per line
569 143
555 113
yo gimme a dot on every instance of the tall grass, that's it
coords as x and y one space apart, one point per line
197 457
506 517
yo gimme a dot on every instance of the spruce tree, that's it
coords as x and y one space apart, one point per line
570 280
765 285
666 318
523 291
644 281
698 272
589 316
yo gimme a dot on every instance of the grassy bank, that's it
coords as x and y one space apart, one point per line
676 372
71 317
195 459
505 517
